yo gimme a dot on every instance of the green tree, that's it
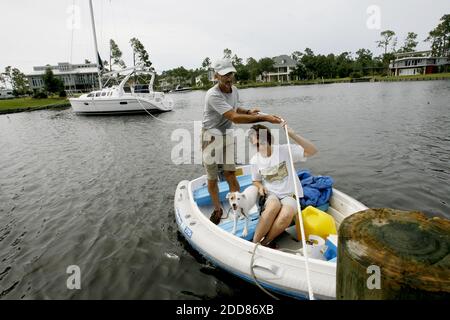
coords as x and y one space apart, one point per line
242 73
181 76
300 71
253 68
325 66
387 38
204 79
309 60
206 64
236 61
51 83
115 55
297 55
266 65
410 43
140 53
3 80
344 64
17 79
6 76
440 37
227 53
364 61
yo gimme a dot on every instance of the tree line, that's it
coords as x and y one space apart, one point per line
309 65
346 64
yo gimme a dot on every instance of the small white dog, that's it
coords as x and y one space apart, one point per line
241 204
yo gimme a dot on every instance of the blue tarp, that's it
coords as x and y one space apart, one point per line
317 190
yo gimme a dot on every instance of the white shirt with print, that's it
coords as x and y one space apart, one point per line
275 171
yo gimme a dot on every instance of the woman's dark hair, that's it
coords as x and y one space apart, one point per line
263 134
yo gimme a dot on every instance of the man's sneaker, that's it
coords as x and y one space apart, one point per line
216 216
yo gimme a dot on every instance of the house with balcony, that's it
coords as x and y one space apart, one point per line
80 77
284 65
415 63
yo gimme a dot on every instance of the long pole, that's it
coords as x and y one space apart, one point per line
299 213
97 57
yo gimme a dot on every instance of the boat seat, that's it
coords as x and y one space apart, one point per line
202 197
227 225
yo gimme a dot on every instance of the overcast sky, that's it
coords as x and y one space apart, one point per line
183 33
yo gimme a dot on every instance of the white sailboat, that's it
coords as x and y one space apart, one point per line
122 93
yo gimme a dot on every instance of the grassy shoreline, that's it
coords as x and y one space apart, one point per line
30 104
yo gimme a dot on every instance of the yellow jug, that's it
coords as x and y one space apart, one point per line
315 222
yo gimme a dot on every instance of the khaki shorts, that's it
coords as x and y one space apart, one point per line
286 201
211 159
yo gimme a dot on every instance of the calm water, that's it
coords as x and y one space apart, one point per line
97 192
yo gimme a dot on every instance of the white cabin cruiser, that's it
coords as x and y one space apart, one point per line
128 96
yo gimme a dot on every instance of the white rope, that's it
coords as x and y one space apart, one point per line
299 213
254 276
163 121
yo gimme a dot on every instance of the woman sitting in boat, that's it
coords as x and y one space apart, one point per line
271 174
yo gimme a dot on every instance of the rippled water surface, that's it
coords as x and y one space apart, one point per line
97 192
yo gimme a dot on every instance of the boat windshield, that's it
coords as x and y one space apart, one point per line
137 82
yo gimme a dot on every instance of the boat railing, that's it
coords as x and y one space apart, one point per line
148 95
74 93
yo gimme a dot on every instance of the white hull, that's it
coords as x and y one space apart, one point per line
118 105
278 271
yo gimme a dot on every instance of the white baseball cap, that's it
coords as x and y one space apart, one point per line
223 66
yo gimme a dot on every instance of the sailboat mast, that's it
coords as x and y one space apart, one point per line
97 55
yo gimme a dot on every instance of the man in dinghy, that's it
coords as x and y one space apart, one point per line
271 174
221 111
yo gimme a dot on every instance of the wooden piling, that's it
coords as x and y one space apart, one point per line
394 255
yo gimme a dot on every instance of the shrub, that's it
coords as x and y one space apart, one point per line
62 94
40 95
355 75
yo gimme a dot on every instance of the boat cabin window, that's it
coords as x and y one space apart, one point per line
97 94
103 94
90 95
141 88
127 89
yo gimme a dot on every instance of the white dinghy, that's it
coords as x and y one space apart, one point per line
281 270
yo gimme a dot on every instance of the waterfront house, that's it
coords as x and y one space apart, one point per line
76 77
165 84
284 65
420 62
209 74
6 93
